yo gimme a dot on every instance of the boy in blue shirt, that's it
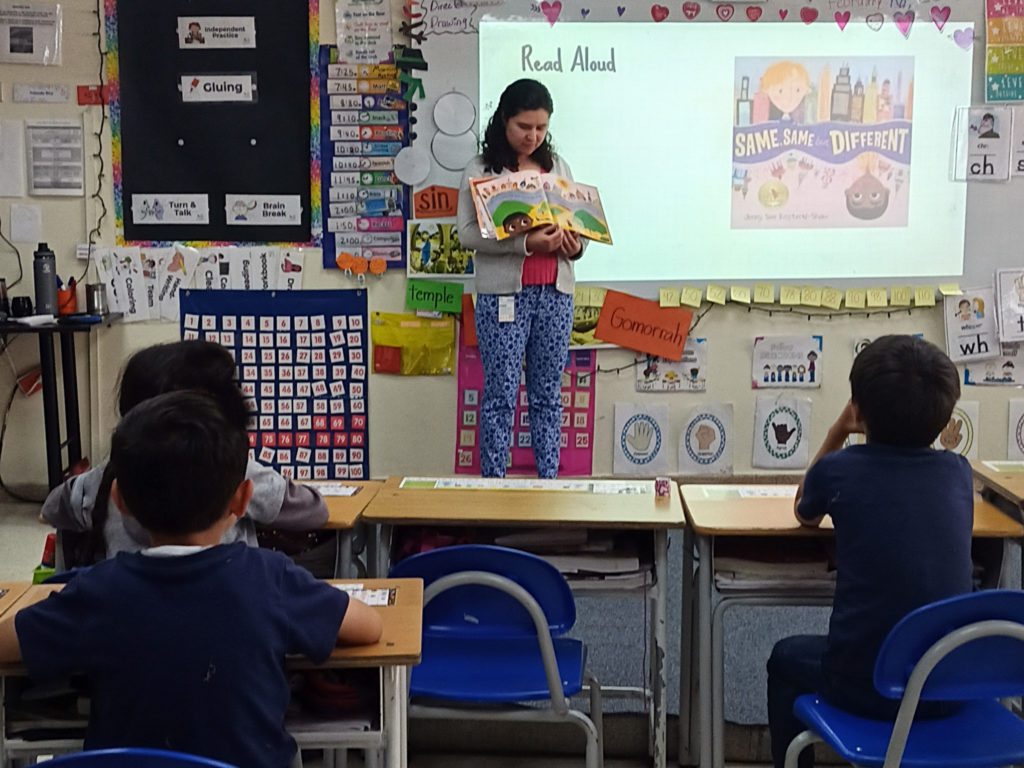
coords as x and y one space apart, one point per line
184 643
903 514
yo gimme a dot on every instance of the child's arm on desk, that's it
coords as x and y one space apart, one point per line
848 423
362 624
10 651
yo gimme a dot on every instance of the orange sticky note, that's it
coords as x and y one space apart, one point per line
642 325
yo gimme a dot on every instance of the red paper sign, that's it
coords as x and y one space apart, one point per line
435 202
643 325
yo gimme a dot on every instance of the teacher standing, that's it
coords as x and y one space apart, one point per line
524 287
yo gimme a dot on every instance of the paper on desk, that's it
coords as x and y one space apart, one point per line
368 596
336 489
1005 466
720 492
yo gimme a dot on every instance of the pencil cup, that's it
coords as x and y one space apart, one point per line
96 298
67 301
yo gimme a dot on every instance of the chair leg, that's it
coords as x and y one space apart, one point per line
595 757
596 712
797 745
297 760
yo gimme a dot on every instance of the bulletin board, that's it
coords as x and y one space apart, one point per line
211 120
301 360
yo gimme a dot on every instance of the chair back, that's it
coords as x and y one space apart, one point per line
483 611
133 758
986 667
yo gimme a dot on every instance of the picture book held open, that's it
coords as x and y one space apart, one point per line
512 204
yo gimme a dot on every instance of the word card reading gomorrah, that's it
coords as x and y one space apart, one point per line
301 358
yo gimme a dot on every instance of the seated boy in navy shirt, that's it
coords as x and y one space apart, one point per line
184 643
903 514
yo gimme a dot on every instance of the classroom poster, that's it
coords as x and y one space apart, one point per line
981 146
1015 436
706 440
302 369
782 426
821 142
175 268
656 374
435 250
1004 50
1010 295
971 325
1007 369
961 433
786 361
577 417
641 440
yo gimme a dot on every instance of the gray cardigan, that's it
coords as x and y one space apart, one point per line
498 264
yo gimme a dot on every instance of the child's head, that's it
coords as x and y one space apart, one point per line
904 389
183 365
178 461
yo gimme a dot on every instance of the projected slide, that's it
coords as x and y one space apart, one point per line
771 151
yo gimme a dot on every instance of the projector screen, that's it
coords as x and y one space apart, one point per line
751 151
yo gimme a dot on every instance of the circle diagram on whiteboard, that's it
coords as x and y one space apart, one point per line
454 113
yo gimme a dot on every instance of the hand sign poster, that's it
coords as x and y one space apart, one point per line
641 440
705 444
782 426
961 433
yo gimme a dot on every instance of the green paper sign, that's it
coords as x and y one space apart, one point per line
434 296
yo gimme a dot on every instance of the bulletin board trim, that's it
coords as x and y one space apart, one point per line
114 106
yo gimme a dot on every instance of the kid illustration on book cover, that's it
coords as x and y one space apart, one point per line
822 142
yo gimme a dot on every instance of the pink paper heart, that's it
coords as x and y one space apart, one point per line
724 11
621 9
808 15
753 12
903 21
783 13
659 12
940 16
551 10
690 10
964 38
842 19
874 21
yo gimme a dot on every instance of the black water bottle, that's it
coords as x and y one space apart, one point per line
44 269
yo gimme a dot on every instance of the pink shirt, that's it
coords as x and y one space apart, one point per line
540 269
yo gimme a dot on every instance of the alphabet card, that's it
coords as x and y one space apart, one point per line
1010 294
705 443
971 325
961 433
1015 438
786 361
981 150
641 440
655 374
1005 370
781 428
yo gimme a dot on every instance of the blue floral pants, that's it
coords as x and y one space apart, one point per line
541 328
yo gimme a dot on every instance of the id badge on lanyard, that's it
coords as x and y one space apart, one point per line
506 309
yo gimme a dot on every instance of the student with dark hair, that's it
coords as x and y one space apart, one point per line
903 514
184 642
524 287
82 503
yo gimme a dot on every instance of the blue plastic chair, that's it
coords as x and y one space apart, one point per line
969 649
493 626
132 758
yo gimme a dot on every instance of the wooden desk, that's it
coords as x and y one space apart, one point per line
10 591
1006 478
343 513
398 648
730 510
539 507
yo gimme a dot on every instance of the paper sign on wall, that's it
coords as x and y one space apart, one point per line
653 374
641 439
961 433
433 296
782 426
971 325
1007 369
705 444
198 32
175 268
30 33
263 210
1015 436
170 209
643 325
786 361
1010 295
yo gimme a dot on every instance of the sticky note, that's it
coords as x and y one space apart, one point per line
924 295
716 294
899 295
740 294
831 298
597 295
668 297
855 298
581 296
691 296
764 293
788 294
810 296
877 297
950 289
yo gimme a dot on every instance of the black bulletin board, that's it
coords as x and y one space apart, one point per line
168 146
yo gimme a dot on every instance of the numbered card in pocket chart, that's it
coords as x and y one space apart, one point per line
961 433
706 441
782 426
641 440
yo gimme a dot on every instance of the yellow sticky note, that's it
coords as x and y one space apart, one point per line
900 295
950 289
924 295
855 298
764 293
877 297
581 296
740 294
597 296
691 296
810 296
668 297
831 298
788 294
716 294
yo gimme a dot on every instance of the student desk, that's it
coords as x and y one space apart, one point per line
745 510
529 502
397 650
1004 478
342 514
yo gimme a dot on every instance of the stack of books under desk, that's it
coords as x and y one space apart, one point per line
798 564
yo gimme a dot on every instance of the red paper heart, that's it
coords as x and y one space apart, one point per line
659 12
690 10
753 12
808 15
551 10
842 19
940 16
903 21
724 11
783 13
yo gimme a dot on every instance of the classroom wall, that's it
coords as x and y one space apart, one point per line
412 420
